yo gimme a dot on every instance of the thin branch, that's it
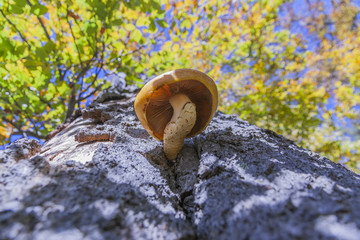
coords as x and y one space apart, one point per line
90 85
11 123
19 131
61 42
43 26
98 88
73 100
17 30
96 77
44 101
82 33
41 23
71 105
26 113
136 50
73 35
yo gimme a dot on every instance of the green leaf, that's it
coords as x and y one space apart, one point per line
14 8
150 72
106 85
63 88
38 9
49 47
152 26
162 23
33 99
90 28
50 92
20 50
155 5
139 68
20 3
41 53
185 24
129 27
32 64
100 10
137 35
117 22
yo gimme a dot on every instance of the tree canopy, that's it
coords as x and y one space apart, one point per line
289 66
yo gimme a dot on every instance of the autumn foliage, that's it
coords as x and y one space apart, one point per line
289 66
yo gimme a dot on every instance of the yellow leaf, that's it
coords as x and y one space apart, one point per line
179 4
142 22
129 27
3 132
175 47
167 6
188 2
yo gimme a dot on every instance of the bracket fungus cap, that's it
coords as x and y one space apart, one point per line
166 95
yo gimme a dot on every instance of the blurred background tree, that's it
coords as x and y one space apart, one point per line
289 66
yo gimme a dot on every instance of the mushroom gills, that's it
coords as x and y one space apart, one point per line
180 125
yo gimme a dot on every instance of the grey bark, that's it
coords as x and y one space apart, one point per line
233 181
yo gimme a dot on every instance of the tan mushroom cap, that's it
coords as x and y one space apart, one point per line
152 103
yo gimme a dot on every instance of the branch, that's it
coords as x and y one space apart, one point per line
22 110
89 64
91 93
17 30
93 82
61 42
43 26
72 102
44 101
88 87
136 50
72 34
41 23
19 131
84 35
11 123
96 77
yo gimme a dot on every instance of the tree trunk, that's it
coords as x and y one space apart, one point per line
103 177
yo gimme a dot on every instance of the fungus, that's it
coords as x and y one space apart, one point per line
176 105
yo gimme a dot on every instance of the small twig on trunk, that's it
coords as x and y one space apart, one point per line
72 102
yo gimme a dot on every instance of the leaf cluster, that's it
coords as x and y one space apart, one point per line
57 55
288 66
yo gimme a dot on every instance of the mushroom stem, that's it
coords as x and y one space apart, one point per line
180 125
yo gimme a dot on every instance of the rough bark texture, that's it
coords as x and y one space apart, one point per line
103 177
